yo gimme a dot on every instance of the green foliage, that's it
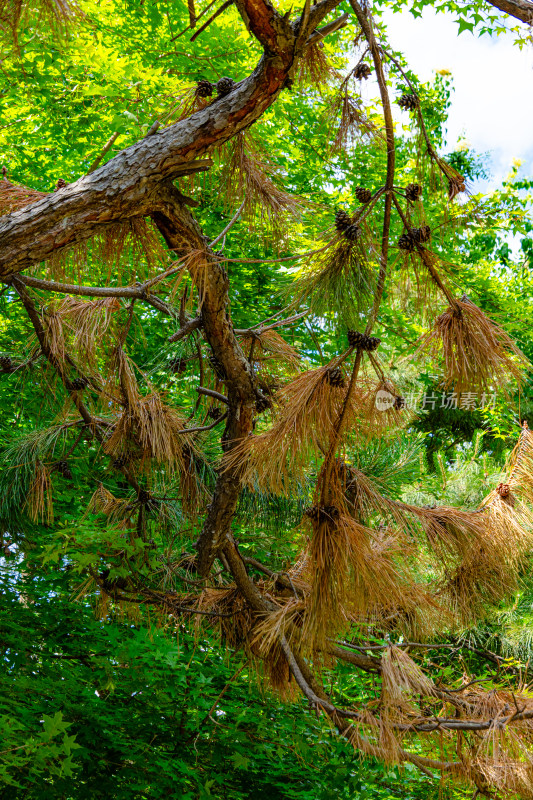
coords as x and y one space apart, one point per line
126 710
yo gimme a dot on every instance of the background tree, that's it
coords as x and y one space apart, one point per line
238 429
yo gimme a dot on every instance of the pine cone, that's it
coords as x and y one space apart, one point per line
204 89
406 242
422 234
332 512
335 377
363 195
60 184
63 468
218 368
6 364
372 343
177 365
352 233
313 512
342 220
409 102
355 338
413 191
214 413
503 489
225 86
77 384
362 71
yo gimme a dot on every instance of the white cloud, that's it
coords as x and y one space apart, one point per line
492 105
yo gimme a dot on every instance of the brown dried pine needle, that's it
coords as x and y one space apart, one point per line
128 250
155 428
79 326
353 571
14 196
402 677
58 13
315 68
116 509
269 345
38 504
477 352
349 120
247 174
308 409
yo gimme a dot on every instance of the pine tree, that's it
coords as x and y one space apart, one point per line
263 431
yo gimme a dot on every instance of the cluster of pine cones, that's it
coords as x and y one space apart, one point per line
344 225
414 236
363 195
413 191
322 513
362 341
177 365
205 88
63 468
146 499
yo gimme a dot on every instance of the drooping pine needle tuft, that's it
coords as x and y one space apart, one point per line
315 68
58 13
308 408
340 277
248 175
39 500
477 352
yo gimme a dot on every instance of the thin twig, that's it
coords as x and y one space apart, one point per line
211 19
230 224
108 145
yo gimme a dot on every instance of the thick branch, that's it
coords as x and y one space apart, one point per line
519 9
129 184
180 230
269 28
317 13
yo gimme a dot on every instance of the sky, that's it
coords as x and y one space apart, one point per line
492 101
